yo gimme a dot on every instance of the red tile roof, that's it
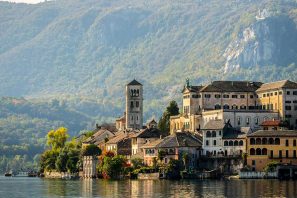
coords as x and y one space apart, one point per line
271 123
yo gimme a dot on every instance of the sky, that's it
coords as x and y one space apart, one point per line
24 1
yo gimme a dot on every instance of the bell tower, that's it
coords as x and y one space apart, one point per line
134 105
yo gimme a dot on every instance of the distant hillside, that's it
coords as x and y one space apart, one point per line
92 48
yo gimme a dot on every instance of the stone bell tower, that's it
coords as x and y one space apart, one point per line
134 105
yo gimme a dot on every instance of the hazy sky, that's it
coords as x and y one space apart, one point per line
24 1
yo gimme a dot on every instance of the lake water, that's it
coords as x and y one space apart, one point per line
37 187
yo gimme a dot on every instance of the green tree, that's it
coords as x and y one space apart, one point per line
56 139
91 150
113 167
137 163
164 122
161 155
61 161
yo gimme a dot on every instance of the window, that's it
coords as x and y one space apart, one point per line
287 154
206 142
235 143
294 101
295 107
251 96
207 95
217 106
242 96
220 132
208 134
288 93
225 143
234 106
256 120
226 106
288 116
137 103
271 153
131 104
225 96
280 154
242 107
294 154
195 96
214 142
240 143
217 96
264 95
252 141
280 93
271 94
288 108
287 142
213 134
294 92
234 96
275 93
294 142
288 101
238 120
230 143
277 141
253 162
248 119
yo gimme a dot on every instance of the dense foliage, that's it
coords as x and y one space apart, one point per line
164 122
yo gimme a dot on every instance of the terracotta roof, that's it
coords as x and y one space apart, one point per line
152 144
231 86
120 136
180 139
277 85
214 125
150 133
271 123
99 137
134 82
273 133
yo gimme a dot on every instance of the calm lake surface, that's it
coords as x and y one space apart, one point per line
36 187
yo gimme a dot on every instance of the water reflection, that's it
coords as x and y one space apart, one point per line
146 188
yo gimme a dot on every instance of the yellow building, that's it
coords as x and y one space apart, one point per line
280 96
248 98
265 146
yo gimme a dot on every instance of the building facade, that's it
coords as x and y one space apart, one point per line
265 146
134 105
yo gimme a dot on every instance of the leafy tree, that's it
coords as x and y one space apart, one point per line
271 166
113 167
164 122
91 150
48 160
137 163
56 138
61 161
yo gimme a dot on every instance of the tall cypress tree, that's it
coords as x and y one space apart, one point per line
164 122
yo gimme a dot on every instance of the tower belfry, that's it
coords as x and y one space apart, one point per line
134 105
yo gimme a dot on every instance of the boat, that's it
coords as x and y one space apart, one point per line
8 174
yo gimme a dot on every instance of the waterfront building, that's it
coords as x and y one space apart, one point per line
174 146
244 103
220 139
265 146
151 133
280 96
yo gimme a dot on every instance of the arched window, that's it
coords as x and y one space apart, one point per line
225 143
230 143
257 120
226 106
258 141
213 134
208 134
277 141
242 107
264 151
264 140
252 151
270 141
238 120
235 143
234 106
137 92
252 141
258 151
240 143
217 106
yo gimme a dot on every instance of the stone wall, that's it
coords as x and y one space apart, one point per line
257 175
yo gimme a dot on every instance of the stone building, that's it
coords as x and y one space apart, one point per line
265 146
280 96
174 146
134 105
250 102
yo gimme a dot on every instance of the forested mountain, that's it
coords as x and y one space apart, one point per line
80 54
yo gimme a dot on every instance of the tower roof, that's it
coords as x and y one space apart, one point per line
134 82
